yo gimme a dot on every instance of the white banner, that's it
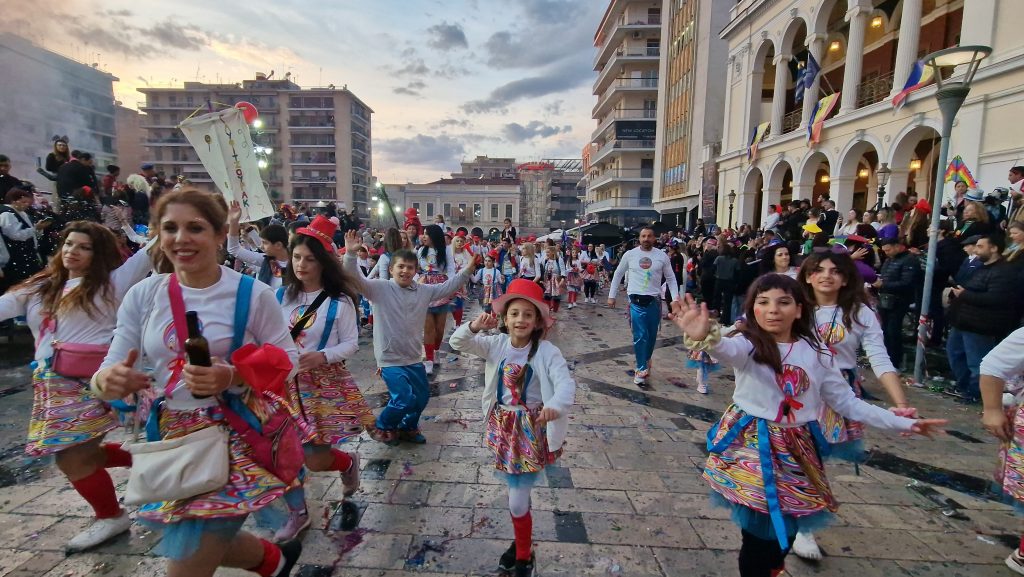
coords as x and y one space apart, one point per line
221 139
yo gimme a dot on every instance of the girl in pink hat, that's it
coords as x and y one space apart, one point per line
527 395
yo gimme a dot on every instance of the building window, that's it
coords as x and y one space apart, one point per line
447 210
462 213
494 212
430 209
477 211
416 205
508 211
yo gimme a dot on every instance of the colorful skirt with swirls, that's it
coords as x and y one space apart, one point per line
1010 474
520 447
64 414
772 477
845 436
436 278
331 404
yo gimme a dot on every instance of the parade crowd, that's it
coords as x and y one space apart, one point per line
230 343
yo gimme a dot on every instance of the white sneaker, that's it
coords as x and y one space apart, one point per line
702 388
1015 562
806 547
640 377
100 531
428 366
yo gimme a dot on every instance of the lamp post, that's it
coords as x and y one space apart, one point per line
382 196
732 199
883 173
951 96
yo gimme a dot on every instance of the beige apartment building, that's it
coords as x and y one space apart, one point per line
469 202
315 142
619 160
866 49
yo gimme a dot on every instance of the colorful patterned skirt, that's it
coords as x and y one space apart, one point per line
574 281
1010 474
520 447
64 414
440 305
329 401
845 436
771 477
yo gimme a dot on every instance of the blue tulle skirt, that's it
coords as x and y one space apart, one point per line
181 540
760 524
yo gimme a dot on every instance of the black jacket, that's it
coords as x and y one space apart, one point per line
899 276
72 175
988 305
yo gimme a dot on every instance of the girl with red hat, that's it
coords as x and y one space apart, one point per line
527 395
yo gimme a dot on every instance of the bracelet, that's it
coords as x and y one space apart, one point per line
708 342
94 385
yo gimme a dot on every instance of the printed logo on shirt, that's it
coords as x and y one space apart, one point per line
294 318
832 333
646 262
793 381
171 336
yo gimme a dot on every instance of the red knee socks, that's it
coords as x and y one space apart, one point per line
272 560
572 298
1021 548
457 315
429 349
523 528
554 305
98 490
116 456
342 461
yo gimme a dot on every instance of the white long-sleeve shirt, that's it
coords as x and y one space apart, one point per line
381 269
145 323
866 332
816 379
528 269
645 272
1005 361
428 262
13 229
76 326
342 343
255 260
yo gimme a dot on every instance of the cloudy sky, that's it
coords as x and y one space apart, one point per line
447 79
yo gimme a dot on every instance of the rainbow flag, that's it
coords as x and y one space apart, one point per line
920 75
756 138
817 121
957 171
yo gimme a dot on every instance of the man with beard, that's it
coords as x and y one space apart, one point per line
645 269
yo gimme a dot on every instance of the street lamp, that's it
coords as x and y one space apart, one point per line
382 194
951 96
883 173
732 199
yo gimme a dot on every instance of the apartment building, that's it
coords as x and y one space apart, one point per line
315 142
619 160
469 202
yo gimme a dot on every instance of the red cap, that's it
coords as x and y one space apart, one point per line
321 229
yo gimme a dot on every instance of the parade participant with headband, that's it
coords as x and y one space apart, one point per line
318 304
271 263
784 376
73 303
436 266
845 324
645 269
240 320
527 395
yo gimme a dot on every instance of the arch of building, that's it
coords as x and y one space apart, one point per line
776 181
807 174
902 152
749 199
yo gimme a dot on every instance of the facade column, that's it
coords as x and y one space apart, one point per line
756 80
840 191
779 93
803 190
898 180
858 19
906 47
816 46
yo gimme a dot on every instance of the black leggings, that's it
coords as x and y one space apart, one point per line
760 557
589 288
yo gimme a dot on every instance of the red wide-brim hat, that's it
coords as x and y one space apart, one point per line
321 229
522 288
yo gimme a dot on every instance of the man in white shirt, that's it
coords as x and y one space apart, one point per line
645 269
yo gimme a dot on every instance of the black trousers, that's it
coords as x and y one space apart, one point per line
760 557
892 331
589 288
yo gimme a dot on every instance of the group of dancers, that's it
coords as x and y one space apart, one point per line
278 353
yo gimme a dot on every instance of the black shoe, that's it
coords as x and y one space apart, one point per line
290 551
508 559
965 400
524 568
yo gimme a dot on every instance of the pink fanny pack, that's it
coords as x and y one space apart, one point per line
76 360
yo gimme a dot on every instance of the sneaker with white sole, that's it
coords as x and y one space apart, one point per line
428 366
99 532
640 377
702 388
1016 562
805 547
297 523
350 478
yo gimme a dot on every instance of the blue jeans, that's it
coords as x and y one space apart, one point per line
410 391
965 350
645 322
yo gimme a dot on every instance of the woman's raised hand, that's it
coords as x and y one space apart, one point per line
692 319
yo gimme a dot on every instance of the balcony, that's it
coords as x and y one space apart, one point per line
625 114
627 202
874 90
617 146
636 28
168 106
621 175
314 180
790 122
620 86
314 161
177 141
626 57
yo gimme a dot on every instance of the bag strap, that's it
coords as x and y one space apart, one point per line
180 331
300 325
242 305
280 295
332 311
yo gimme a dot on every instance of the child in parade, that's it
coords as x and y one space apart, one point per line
526 401
399 311
574 276
705 364
589 276
551 275
491 282
461 256
317 303
784 378
270 263
845 323
436 266
75 300
528 262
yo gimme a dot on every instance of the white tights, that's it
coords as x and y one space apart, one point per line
519 501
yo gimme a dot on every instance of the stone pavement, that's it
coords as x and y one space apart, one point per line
626 499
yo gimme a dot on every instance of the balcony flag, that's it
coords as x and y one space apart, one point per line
957 171
759 133
817 121
806 80
920 76
222 142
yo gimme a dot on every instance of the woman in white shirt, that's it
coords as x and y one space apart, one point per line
203 532
462 257
436 265
323 394
74 300
528 262
19 234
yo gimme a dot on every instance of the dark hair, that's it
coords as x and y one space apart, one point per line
766 348
404 255
16 194
392 240
112 168
1018 169
852 295
997 239
294 226
275 233
648 227
436 236
336 282
768 261
49 282
4 158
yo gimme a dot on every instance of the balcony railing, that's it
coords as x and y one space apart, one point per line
614 174
636 82
791 121
874 90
